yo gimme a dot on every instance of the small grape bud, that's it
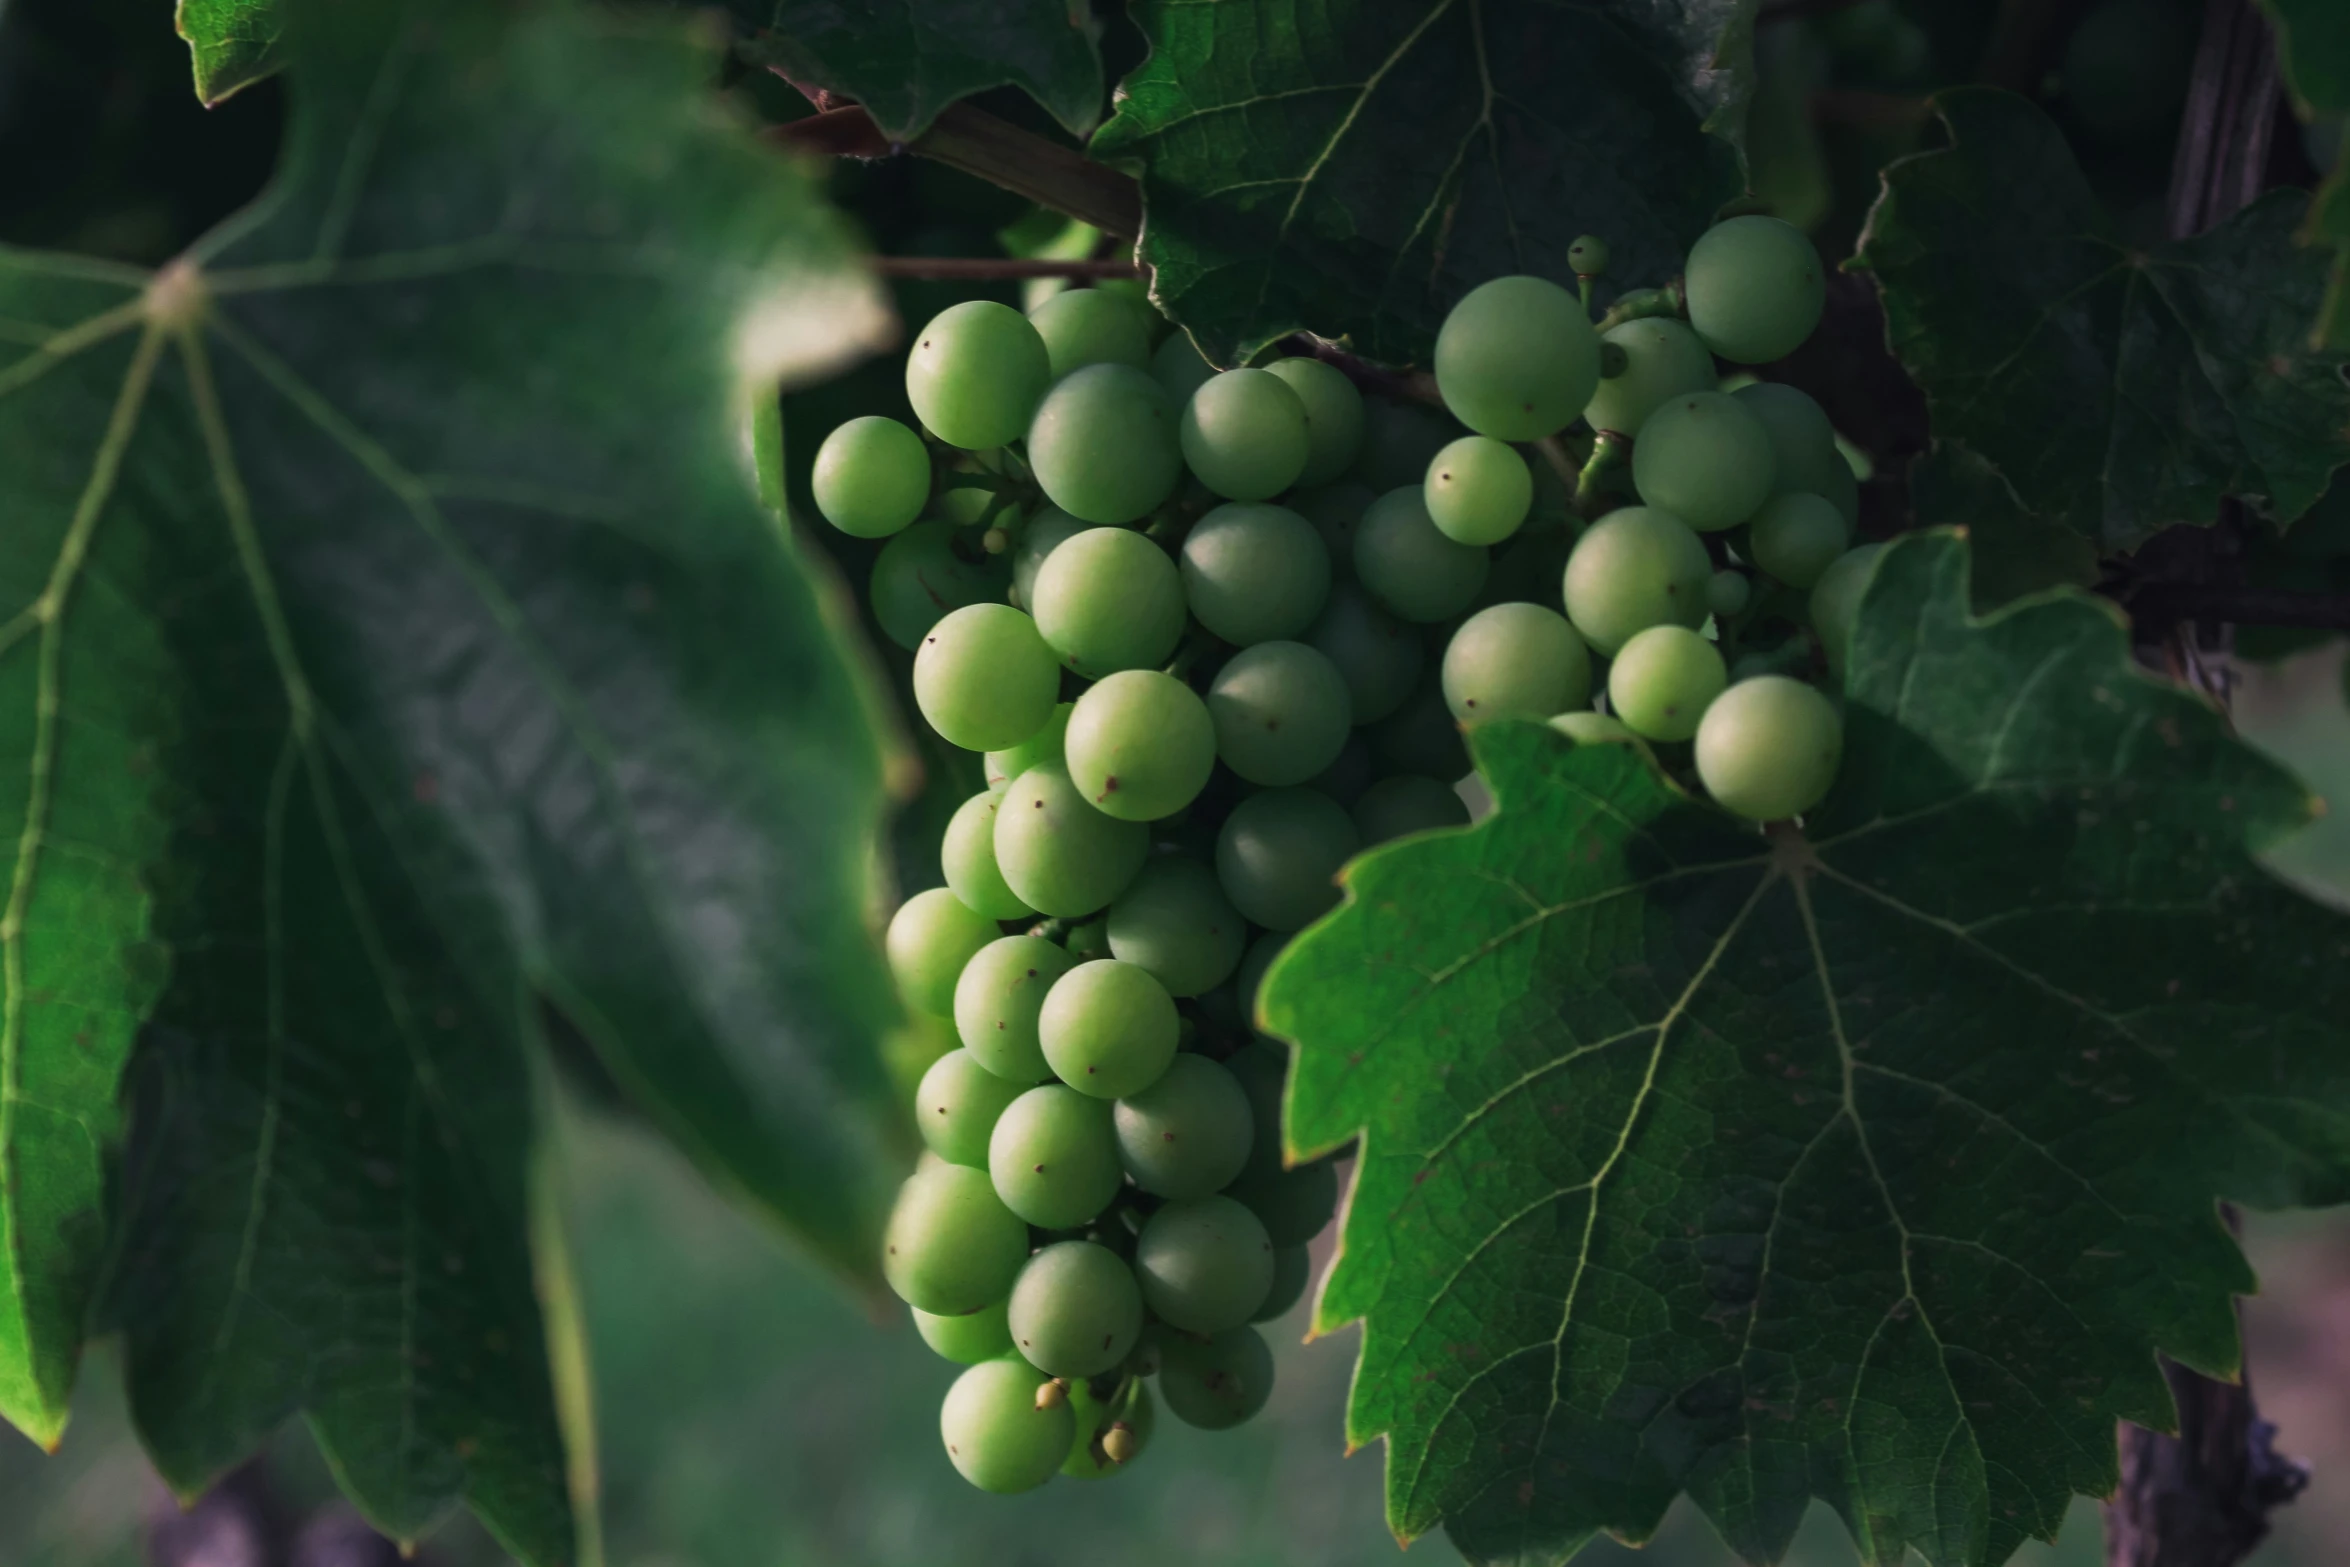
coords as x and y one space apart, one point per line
1588 256
995 540
1119 1443
1053 1394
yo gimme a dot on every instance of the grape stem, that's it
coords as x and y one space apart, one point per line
1609 453
1643 302
1409 386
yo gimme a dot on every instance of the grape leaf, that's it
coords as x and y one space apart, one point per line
2118 391
905 64
2015 553
398 638
1871 1162
1352 168
232 43
2313 47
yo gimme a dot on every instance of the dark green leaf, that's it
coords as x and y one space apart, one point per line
2118 391
2313 45
1351 169
906 63
233 43
406 641
2015 553
1870 1163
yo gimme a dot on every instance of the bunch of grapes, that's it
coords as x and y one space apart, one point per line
1214 633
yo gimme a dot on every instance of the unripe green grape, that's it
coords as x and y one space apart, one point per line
1345 779
1110 1436
1478 491
998 1001
1335 510
1244 434
970 489
1592 728
1280 711
1279 853
1835 601
932 935
1103 444
1218 1384
1293 1205
1293 1270
1179 367
872 477
975 374
967 855
1245 985
1727 593
1046 530
1399 441
1075 1310
1404 560
996 1435
1054 1157
970 1338
1253 572
1841 486
1769 748
1587 256
1188 1134
1058 854
1090 940
1515 661
1421 736
1109 1029
1803 443
1635 568
984 677
1755 289
918 579
1204 1263
1662 360
1174 920
1109 599
956 1105
1407 803
1704 458
1378 656
1043 746
951 1245
1661 681
1516 359
1796 538
1140 745
1334 416
1085 326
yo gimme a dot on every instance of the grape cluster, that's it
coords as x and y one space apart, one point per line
1214 633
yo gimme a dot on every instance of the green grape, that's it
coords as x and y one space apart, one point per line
1253 572
1058 854
932 935
1803 443
1407 803
1109 599
1293 1270
1054 1156
1527 570
1140 745
1179 367
967 855
1174 920
1245 984
1635 568
1261 1068
985 679
1084 326
1103 444
1662 360
1841 486
1218 1384
1244 434
998 1001
1204 1263
1090 940
1378 656
1293 1205
872 477
1704 458
1407 563
1478 491
1835 601
997 1435
1045 531
2126 67
1278 856
1188 1134
1110 1435
1109 1029
1399 441
1592 728
1727 594
1796 538
1662 680
1345 779
975 374
1075 1310
1755 289
956 1106
971 488
1516 359
1281 712
918 579
1043 746
1335 510
1334 416
1421 736
951 1245
1769 748
970 1338
1515 661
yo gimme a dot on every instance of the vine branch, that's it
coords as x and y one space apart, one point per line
2163 604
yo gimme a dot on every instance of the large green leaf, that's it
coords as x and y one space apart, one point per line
405 641
1870 1162
1352 168
904 63
231 43
2313 46
2119 391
